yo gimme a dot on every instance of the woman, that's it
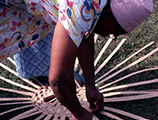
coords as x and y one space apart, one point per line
75 22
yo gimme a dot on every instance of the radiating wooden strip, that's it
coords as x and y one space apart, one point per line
11 60
56 117
15 99
103 50
56 107
52 100
128 85
80 72
14 103
40 117
129 75
110 115
121 112
16 91
18 85
70 118
110 56
30 115
124 61
131 98
13 72
94 118
55 102
14 109
76 64
62 117
127 93
78 85
48 116
95 37
129 66
26 114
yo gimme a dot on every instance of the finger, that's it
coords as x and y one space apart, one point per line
92 106
99 105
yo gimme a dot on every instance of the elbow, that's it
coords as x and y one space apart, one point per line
59 83
56 84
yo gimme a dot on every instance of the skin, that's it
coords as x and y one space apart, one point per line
63 55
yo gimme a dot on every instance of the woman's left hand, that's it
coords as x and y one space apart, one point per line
95 99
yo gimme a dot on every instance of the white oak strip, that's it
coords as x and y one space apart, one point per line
76 64
25 114
16 91
13 72
121 112
17 84
48 117
110 115
110 56
15 99
94 118
70 118
14 109
11 60
131 98
40 117
127 93
62 117
102 51
14 103
124 61
128 85
129 75
95 37
129 66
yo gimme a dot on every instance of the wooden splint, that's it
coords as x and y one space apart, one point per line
38 100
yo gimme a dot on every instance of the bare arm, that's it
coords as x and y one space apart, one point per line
61 79
86 59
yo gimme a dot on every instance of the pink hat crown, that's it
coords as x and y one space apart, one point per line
131 13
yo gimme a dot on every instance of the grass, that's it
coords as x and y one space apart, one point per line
141 36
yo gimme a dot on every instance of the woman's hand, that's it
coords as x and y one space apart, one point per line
95 99
86 59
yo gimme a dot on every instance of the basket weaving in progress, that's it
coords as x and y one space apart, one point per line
36 100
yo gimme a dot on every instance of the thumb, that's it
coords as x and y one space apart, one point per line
92 106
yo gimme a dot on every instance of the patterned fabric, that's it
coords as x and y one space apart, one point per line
19 29
34 60
25 22
3 1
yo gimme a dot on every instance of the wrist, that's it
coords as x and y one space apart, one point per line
91 88
78 113
90 83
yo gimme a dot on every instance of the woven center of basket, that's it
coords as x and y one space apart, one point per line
45 101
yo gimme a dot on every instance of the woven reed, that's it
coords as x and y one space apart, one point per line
41 99
44 100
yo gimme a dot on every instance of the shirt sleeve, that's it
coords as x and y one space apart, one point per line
77 17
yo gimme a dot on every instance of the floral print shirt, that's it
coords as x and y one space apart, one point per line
24 22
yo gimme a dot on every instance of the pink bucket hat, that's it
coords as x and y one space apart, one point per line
131 13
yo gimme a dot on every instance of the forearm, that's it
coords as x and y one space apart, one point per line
61 78
86 59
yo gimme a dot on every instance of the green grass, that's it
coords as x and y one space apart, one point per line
141 36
